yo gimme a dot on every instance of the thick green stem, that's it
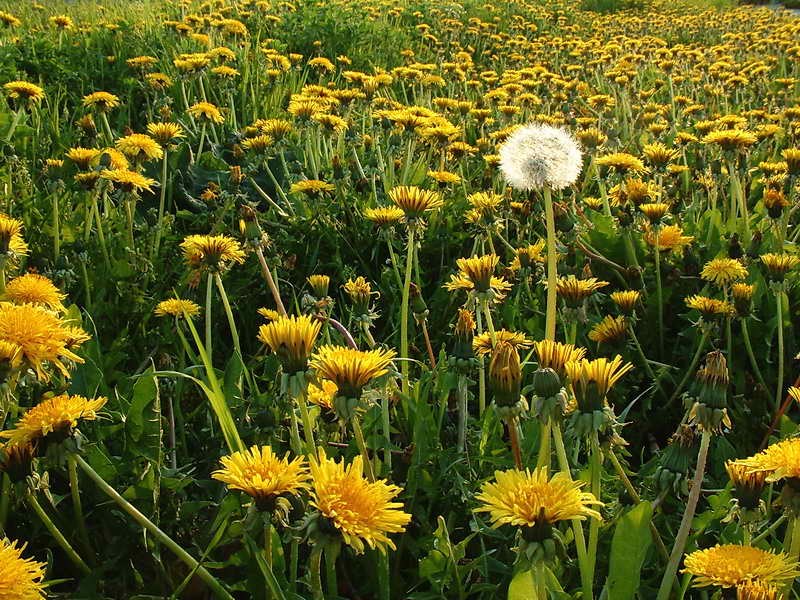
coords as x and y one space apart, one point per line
211 581
463 413
577 527
659 295
273 287
594 524
77 507
161 205
481 370
362 447
208 344
315 571
550 317
779 386
404 311
56 229
387 431
511 423
56 533
543 459
202 139
308 427
5 500
686 522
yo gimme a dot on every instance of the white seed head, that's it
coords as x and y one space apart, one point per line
537 155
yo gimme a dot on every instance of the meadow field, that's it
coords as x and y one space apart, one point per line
375 300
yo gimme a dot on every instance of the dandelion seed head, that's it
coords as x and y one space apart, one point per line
536 155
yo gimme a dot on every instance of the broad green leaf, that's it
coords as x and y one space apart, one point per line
628 549
143 422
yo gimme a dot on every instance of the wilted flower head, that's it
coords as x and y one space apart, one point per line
537 156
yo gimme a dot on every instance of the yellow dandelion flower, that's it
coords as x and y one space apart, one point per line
669 238
292 339
41 336
747 484
23 90
319 284
731 140
384 216
259 473
323 394
477 274
596 376
757 590
659 155
35 289
83 157
729 565
312 188
11 242
165 133
723 271
259 143
129 181
20 578
710 307
269 314
101 101
778 265
212 252
778 461
57 415
622 163
206 111
139 147
574 291
528 256
361 511
530 499
414 201
626 300
177 307
610 329
654 211
555 355
482 344
351 369
62 22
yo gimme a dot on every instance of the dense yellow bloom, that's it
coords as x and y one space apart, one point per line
779 265
323 394
778 461
54 415
102 101
212 252
35 289
601 374
574 291
24 91
165 133
130 181
20 578
731 139
41 336
361 511
259 143
622 163
83 157
626 300
414 201
259 473
757 590
528 256
139 147
177 307
9 20
312 187
710 307
319 283
654 211
526 499
477 274
669 238
11 242
723 271
609 329
658 155
292 339
730 565
351 369
206 111
384 216
62 21
555 355
482 344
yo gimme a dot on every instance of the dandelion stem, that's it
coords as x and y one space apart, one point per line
594 524
76 504
362 446
315 571
14 123
56 229
659 293
577 528
161 203
387 431
5 500
550 319
543 459
202 139
56 533
778 522
273 287
404 311
209 289
686 522
779 386
692 366
463 412
217 588
308 428
514 439
481 370
645 362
